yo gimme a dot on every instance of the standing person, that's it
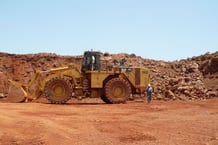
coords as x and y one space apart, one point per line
149 91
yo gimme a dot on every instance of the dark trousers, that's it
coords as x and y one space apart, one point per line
149 96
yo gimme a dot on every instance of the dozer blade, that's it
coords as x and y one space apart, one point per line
15 94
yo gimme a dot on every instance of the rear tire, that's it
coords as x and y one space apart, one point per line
117 90
58 91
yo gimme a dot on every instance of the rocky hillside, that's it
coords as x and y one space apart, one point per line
188 79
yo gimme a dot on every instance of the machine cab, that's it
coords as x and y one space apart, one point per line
91 61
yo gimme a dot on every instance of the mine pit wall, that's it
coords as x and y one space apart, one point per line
177 80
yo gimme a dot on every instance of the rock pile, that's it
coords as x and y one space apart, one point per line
181 80
188 85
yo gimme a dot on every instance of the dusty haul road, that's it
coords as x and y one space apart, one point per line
92 122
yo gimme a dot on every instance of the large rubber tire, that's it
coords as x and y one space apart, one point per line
58 91
117 90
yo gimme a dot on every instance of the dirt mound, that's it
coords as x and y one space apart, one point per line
188 79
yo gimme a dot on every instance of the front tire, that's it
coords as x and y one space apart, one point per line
58 91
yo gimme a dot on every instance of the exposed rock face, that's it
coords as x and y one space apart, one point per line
189 79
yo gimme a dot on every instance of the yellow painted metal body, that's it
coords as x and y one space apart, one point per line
136 76
139 77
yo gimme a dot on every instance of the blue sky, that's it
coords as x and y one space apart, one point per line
155 29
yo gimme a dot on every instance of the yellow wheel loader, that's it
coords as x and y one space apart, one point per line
112 84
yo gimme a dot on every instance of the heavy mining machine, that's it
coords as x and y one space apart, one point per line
112 84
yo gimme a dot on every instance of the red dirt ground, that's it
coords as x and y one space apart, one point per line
92 122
